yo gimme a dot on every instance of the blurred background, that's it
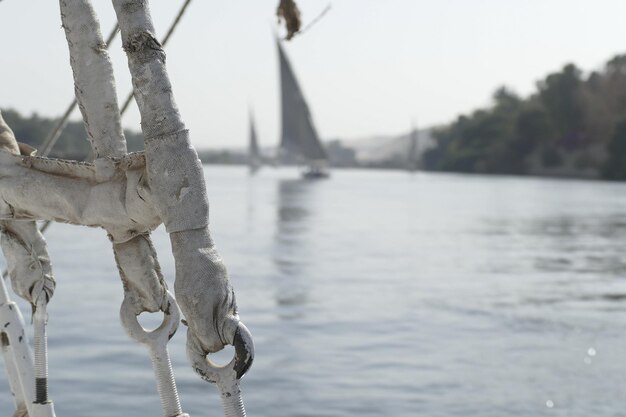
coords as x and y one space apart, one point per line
463 254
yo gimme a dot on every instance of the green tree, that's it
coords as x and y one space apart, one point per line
615 166
561 94
72 144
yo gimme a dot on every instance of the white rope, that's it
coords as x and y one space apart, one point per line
94 83
31 277
144 285
128 196
53 136
57 130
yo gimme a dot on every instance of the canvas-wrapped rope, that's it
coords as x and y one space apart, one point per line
202 286
127 195
24 247
76 193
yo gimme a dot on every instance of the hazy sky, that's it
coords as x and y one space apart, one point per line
368 67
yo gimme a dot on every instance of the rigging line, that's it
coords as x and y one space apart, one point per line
316 20
175 23
166 38
54 135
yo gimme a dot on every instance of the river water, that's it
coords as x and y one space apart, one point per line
375 294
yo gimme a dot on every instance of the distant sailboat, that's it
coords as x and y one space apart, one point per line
254 155
412 162
299 138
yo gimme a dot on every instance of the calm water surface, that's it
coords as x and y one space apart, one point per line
375 294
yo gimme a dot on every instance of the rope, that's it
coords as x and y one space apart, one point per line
158 345
316 20
227 377
55 133
166 38
190 241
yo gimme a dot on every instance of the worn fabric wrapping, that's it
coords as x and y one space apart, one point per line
7 138
177 182
94 83
24 247
203 291
141 275
113 194
27 259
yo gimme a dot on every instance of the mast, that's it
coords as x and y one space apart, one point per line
299 136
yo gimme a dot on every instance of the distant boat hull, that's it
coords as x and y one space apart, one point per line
253 168
315 173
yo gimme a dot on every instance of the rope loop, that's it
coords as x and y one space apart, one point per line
236 368
160 335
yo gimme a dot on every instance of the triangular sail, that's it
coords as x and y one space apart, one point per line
412 155
254 155
299 136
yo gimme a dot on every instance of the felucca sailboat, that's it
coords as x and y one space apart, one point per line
254 155
299 140
412 160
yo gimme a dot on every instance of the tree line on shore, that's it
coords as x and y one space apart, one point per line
572 125
73 142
